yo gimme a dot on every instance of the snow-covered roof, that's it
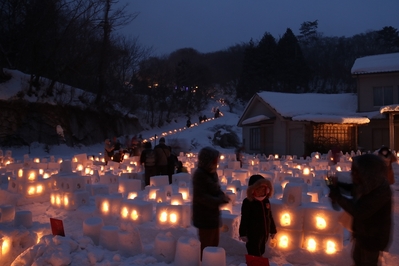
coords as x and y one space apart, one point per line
376 64
389 108
316 107
255 119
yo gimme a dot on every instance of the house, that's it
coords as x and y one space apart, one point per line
377 79
298 124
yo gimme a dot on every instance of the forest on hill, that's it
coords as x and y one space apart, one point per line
76 43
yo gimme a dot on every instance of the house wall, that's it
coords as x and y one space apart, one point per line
280 137
365 85
375 134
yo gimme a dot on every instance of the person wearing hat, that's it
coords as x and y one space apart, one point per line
257 222
207 198
162 153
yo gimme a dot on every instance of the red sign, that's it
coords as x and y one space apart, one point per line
57 227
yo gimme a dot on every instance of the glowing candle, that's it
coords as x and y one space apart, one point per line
285 219
311 245
330 249
320 222
134 215
163 217
283 241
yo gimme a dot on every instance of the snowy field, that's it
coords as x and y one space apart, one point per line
75 249
37 246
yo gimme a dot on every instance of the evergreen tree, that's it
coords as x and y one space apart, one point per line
266 61
293 72
248 83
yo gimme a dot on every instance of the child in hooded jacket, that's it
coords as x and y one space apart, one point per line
256 217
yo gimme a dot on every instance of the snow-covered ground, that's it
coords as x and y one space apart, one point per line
74 249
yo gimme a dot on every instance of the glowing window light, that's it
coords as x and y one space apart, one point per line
124 212
52 199
173 218
134 215
105 207
339 168
66 200
320 222
39 189
36 160
132 195
31 176
79 167
276 156
163 217
285 219
317 156
41 171
311 245
46 175
6 246
221 157
74 159
20 173
184 192
58 200
283 241
306 171
31 190
330 248
87 171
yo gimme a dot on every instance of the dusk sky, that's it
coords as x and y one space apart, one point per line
213 25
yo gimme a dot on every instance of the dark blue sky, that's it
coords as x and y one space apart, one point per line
212 25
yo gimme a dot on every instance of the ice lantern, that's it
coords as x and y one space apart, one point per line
108 205
288 240
329 244
286 216
172 215
137 211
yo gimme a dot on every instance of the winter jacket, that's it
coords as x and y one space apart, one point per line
256 216
371 202
162 152
207 194
372 216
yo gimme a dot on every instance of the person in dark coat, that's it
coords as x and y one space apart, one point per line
162 153
370 208
207 198
389 158
257 221
147 158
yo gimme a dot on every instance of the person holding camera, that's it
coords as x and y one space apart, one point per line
370 207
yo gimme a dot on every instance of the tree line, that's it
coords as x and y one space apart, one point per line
75 42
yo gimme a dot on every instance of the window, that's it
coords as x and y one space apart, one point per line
254 138
382 96
328 135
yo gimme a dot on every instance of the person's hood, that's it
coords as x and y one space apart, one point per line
256 181
206 158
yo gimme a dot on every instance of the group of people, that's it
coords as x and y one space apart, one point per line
370 206
115 151
160 160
